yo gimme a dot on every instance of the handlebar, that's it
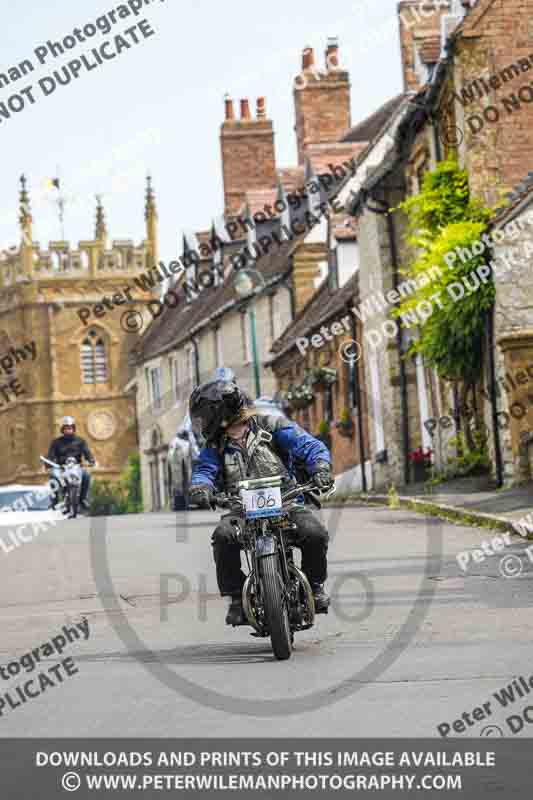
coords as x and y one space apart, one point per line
314 493
53 465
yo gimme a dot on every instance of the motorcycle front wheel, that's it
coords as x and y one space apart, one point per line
276 611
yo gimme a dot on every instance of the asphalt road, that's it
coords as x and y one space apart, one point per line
410 643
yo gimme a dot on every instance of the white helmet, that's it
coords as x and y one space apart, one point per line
70 421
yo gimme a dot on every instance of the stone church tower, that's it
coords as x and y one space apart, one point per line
63 351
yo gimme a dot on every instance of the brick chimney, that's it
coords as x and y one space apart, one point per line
248 155
418 20
321 100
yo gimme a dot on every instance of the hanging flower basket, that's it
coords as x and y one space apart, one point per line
299 397
323 377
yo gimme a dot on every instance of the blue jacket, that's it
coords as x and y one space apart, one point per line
291 443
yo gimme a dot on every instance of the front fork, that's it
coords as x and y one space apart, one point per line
266 545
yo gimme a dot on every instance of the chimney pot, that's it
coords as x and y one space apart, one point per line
261 108
245 109
308 58
230 113
332 53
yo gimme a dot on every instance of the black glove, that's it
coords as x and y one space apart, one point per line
323 477
201 495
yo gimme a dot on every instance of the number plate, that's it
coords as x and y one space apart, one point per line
262 502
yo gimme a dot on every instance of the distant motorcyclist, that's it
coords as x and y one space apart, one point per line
242 444
68 445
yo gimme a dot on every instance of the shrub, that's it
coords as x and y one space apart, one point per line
123 497
473 461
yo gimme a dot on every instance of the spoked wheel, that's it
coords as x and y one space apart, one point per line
276 611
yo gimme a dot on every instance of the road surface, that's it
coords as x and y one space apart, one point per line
411 642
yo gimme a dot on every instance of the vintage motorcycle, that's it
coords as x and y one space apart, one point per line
277 596
70 477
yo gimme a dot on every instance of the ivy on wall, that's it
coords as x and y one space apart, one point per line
441 218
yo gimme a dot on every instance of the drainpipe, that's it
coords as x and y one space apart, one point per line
356 389
399 340
494 408
436 139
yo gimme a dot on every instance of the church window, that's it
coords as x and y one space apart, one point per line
94 365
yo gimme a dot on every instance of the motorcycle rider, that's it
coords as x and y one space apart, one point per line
240 444
68 445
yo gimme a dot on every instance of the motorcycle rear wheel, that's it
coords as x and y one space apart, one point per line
276 611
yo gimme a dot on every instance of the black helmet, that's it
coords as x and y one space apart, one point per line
215 405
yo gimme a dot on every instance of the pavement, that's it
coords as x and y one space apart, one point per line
472 500
411 641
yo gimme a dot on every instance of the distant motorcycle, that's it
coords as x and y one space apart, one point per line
70 477
277 596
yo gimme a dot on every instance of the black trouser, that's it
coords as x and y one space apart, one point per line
309 535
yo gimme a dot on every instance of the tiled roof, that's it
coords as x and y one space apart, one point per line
322 307
368 129
514 198
174 326
322 156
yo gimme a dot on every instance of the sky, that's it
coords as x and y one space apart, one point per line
158 106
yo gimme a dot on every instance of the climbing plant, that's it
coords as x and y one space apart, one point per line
450 308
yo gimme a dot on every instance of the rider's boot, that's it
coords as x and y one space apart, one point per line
321 598
236 615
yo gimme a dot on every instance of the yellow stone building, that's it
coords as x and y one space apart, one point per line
65 351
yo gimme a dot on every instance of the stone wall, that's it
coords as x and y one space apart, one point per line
513 334
495 114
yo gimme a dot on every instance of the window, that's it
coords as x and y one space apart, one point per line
153 385
217 348
155 382
174 378
272 320
93 355
191 371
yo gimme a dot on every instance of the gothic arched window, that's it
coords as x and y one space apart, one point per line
93 355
